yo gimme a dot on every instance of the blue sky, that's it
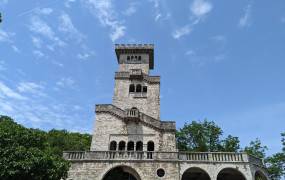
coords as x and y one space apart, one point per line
221 60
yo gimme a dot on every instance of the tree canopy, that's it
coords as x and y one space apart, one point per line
34 154
205 136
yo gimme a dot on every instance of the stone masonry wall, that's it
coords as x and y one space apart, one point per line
149 105
146 171
109 127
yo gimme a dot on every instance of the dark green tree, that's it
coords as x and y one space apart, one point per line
26 154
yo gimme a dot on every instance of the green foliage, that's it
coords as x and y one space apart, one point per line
230 144
205 136
34 154
256 149
283 141
276 165
61 140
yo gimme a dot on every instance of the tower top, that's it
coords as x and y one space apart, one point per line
135 49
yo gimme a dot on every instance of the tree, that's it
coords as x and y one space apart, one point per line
205 136
256 149
276 165
25 154
230 144
61 140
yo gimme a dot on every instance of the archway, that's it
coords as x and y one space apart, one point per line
195 173
230 174
122 173
259 176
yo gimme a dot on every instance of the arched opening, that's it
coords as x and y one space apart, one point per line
132 88
130 146
113 146
122 145
150 148
139 88
230 174
259 176
145 89
122 173
139 146
195 173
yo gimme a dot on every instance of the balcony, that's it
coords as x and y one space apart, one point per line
208 157
136 74
132 115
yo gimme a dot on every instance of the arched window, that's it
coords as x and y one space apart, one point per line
113 146
139 88
128 58
132 88
140 58
150 146
132 57
131 146
122 145
139 146
144 89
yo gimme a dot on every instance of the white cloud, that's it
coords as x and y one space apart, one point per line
44 11
65 82
3 2
104 11
39 54
190 52
31 88
244 21
132 9
37 42
178 33
159 13
6 36
85 55
2 66
15 48
5 91
201 7
40 27
67 26
40 112
68 2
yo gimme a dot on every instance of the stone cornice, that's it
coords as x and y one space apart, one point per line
145 77
136 48
165 126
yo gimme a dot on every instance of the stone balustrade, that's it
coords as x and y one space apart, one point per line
214 157
147 120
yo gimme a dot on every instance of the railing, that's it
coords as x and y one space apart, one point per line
132 113
136 73
174 156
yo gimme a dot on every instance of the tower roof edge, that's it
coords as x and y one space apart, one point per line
136 48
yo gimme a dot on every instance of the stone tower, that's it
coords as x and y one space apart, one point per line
130 141
137 98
